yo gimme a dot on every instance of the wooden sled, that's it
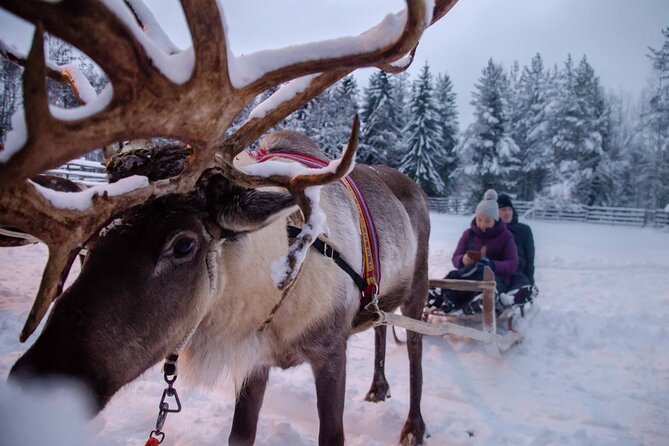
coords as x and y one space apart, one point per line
497 333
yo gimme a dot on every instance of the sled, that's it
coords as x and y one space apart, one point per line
497 333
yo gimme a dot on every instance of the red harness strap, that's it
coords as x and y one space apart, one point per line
369 237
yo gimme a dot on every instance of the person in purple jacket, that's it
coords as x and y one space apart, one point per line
487 238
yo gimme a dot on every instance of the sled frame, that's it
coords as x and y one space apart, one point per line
494 342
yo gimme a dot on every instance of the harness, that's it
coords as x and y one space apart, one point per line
369 283
328 251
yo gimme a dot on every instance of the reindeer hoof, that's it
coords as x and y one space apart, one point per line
410 440
413 433
377 395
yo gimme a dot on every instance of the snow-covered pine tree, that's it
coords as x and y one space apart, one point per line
564 122
60 53
628 152
342 108
327 118
486 151
317 119
423 137
657 128
10 95
596 186
93 72
62 94
514 113
244 113
346 96
448 122
513 76
296 120
580 136
529 119
647 173
381 134
402 94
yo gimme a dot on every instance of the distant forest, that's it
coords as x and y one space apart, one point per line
550 134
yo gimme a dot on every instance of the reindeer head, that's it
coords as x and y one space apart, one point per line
149 277
169 229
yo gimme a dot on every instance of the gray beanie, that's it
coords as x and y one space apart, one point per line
488 206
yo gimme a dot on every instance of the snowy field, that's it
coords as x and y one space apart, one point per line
594 369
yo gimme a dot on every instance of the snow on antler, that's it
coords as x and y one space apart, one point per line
286 268
174 64
191 95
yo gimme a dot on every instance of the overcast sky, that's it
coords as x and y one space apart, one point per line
613 34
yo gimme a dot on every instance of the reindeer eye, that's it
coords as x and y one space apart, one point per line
183 246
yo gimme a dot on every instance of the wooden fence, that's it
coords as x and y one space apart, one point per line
87 172
444 205
590 214
93 173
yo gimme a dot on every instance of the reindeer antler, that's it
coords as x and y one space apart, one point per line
148 98
65 225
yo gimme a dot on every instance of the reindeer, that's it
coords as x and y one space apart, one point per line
184 262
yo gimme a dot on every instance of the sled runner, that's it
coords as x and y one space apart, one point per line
497 332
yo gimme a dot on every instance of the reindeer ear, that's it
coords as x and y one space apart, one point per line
252 210
238 209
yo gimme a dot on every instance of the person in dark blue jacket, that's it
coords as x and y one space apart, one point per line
523 279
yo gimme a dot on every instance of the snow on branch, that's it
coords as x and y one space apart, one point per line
69 74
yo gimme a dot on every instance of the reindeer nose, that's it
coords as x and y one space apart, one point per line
21 373
30 376
31 370
26 373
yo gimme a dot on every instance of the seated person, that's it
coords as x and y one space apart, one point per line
489 236
522 283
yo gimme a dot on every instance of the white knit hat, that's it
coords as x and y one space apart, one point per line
488 206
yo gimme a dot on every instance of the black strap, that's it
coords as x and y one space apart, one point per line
328 251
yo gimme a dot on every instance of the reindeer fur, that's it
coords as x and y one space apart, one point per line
224 291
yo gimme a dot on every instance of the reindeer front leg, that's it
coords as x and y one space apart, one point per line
330 377
247 409
380 389
413 431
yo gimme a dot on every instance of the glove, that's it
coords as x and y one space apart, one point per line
485 261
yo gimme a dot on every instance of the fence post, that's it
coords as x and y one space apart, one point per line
489 323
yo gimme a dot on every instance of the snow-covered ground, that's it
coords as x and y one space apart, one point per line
594 369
